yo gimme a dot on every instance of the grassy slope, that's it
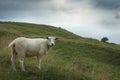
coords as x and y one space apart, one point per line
73 57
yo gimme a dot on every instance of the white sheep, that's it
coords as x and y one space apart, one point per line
26 47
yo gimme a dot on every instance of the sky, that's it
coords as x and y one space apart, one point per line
87 18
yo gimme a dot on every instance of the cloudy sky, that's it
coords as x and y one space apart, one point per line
87 18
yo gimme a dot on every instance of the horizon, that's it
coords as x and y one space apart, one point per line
57 27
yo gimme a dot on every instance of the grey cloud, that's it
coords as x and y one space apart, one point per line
75 1
25 5
22 8
30 5
106 4
117 16
10 9
110 8
110 23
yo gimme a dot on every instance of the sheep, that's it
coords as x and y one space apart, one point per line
28 47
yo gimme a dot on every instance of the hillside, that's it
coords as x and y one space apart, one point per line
72 58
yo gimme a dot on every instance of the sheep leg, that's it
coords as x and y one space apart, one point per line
22 64
13 58
38 61
13 64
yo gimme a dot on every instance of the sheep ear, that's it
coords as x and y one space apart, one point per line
56 38
47 37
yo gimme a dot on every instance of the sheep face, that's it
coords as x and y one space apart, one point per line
51 40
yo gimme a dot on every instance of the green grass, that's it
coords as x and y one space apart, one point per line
72 58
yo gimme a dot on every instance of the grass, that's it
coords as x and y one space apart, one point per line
73 57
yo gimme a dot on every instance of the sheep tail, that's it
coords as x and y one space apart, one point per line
12 43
